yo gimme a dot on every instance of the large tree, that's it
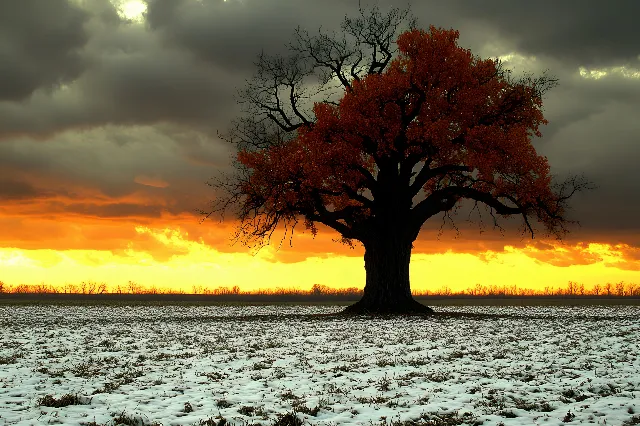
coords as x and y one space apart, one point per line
417 130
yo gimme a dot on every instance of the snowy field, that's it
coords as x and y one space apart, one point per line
211 365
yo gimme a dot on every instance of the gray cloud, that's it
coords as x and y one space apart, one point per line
605 147
115 210
101 168
39 46
589 33
128 77
11 189
228 34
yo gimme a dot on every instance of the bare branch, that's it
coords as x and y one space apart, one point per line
377 33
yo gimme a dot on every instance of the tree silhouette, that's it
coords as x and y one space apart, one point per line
416 132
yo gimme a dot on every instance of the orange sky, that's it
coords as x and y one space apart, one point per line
178 252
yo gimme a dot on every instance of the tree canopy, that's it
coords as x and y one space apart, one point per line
437 120
415 133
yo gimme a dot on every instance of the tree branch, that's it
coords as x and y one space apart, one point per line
427 173
331 218
446 198
370 182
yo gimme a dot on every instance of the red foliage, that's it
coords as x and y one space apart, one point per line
435 102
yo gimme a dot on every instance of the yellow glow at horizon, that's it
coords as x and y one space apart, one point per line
198 265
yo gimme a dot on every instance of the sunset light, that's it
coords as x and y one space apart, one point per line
183 257
107 140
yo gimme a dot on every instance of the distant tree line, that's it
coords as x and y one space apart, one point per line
572 288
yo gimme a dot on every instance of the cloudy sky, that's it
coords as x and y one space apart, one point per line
109 113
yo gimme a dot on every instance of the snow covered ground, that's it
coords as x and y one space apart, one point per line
184 365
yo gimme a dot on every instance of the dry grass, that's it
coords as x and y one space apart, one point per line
319 292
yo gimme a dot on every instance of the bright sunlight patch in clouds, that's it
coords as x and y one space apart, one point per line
132 10
603 72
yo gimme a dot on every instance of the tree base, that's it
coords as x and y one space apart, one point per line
408 307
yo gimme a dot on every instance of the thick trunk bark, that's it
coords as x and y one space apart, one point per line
387 289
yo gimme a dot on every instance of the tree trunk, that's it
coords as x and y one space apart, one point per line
387 289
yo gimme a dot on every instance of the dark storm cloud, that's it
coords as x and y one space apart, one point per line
147 88
39 46
229 34
99 169
183 65
604 146
115 210
588 33
87 97
128 77
11 189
